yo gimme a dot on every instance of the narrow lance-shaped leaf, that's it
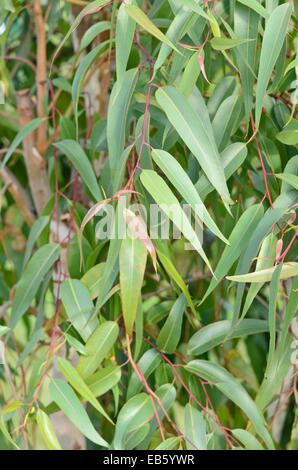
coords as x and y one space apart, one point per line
193 132
230 387
238 239
98 348
69 403
117 117
246 22
93 7
40 263
170 333
79 159
265 275
19 138
125 28
79 307
132 260
256 6
76 381
216 333
168 202
142 19
47 431
195 429
36 230
181 181
275 33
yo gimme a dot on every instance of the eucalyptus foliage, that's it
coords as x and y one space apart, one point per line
135 340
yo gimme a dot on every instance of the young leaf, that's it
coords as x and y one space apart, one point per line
47 431
265 275
142 19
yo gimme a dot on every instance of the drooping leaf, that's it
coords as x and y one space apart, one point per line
197 135
40 263
168 202
98 347
265 275
233 390
195 429
69 403
216 333
132 261
170 333
47 431
79 159
79 307
274 35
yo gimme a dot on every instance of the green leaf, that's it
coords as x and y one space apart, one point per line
125 29
181 181
93 7
233 390
217 333
3 330
238 240
132 262
290 179
265 275
256 6
274 35
79 159
168 202
232 157
68 402
248 440
117 116
142 19
289 134
36 230
136 413
223 43
246 23
170 333
38 266
94 31
93 278
195 429
173 274
147 365
76 381
227 120
19 138
193 6
171 443
80 74
47 431
98 347
79 307
104 380
197 134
